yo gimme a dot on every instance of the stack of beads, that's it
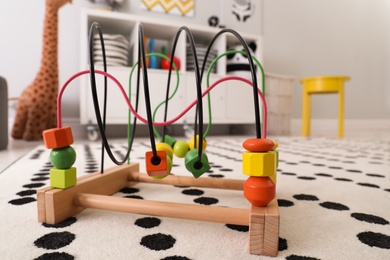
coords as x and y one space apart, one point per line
62 157
260 163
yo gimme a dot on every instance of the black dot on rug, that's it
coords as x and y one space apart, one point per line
206 201
370 218
55 256
368 185
41 174
319 164
66 223
282 244
33 185
26 193
129 190
158 241
343 179
225 170
307 178
148 222
323 175
298 257
55 240
375 175
239 228
22 201
216 175
193 192
354 171
305 197
175 257
40 179
285 203
375 239
134 197
334 206
289 173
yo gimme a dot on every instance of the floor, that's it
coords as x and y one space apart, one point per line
18 148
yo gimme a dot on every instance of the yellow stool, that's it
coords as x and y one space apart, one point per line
322 85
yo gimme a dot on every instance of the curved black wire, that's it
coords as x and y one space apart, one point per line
100 122
198 78
252 69
142 58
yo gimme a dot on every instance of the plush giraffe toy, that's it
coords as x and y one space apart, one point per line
36 109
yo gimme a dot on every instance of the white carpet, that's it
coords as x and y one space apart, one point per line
334 201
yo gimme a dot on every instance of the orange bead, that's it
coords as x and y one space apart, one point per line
259 191
156 166
57 137
258 145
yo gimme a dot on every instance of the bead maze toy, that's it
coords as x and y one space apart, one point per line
67 195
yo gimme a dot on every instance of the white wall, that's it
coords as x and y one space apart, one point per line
301 38
350 37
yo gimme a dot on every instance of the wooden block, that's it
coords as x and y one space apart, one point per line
271 229
63 178
58 204
264 230
256 230
58 137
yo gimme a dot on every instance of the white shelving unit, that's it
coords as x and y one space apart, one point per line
231 102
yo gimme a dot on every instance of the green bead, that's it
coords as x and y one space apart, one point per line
194 165
169 140
180 149
63 158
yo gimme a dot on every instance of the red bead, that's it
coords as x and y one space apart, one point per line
259 191
156 166
258 145
57 137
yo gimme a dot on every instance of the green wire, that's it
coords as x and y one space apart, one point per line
163 102
208 80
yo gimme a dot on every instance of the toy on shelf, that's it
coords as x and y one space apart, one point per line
92 191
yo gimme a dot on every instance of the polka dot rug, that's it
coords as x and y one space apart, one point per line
333 196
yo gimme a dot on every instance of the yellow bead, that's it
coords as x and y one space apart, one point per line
259 164
169 162
63 178
165 147
191 143
276 145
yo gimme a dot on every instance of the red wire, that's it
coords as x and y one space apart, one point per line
60 93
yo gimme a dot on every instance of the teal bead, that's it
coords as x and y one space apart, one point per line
194 165
169 140
63 158
180 149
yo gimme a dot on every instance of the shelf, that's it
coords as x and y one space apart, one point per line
229 100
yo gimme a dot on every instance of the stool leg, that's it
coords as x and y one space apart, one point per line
306 111
341 112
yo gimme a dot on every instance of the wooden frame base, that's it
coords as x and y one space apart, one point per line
92 191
